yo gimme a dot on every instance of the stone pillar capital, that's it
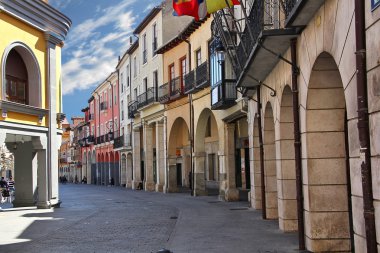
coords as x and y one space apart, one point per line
39 143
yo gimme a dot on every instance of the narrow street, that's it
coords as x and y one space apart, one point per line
112 219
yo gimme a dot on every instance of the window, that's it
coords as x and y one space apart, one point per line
154 44
122 82
172 77
122 110
114 95
127 76
115 125
134 66
183 69
110 97
198 57
135 93
145 51
16 90
145 84
155 83
128 99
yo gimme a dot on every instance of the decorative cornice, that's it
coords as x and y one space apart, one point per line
39 15
7 106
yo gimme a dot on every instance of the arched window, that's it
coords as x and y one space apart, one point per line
21 75
16 79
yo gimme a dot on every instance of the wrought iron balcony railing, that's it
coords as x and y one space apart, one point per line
132 109
123 142
163 93
146 98
202 76
176 88
189 82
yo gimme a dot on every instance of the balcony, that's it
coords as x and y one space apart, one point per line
146 98
202 76
189 82
223 95
176 89
123 142
300 12
163 94
103 106
256 44
132 109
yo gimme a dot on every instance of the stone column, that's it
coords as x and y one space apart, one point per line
129 168
199 175
148 150
222 176
232 194
25 174
136 159
160 149
40 146
53 143
172 174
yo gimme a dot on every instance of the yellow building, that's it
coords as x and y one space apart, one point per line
30 99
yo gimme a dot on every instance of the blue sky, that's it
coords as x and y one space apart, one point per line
99 34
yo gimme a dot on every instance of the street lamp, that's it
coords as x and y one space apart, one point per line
220 51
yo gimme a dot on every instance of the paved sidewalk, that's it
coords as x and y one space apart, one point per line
112 219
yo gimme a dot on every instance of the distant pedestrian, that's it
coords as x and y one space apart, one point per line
112 181
84 180
3 183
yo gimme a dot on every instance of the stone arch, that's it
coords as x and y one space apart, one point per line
88 167
270 174
123 170
130 176
286 172
116 162
32 68
84 165
206 143
256 180
328 210
179 155
94 174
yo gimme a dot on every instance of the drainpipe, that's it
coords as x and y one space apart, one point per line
297 146
191 107
363 127
263 198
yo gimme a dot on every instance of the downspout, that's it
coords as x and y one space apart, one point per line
263 198
297 145
363 126
191 124
96 127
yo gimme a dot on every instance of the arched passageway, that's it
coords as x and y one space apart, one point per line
327 173
207 174
270 173
286 171
179 156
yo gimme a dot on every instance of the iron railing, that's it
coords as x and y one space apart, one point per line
288 6
176 89
163 93
123 141
189 82
146 98
132 109
240 35
202 76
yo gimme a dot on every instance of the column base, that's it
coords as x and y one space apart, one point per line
200 192
159 188
136 185
149 186
232 195
43 205
23 203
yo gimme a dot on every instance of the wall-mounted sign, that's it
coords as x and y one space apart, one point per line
375 4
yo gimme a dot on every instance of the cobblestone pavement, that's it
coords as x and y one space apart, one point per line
113 219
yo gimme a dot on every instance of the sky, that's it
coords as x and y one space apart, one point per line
98 36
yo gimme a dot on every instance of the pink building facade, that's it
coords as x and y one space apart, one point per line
99 159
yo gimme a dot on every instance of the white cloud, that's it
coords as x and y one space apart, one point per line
60 4
92 47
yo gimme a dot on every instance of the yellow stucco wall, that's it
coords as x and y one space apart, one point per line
14 30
